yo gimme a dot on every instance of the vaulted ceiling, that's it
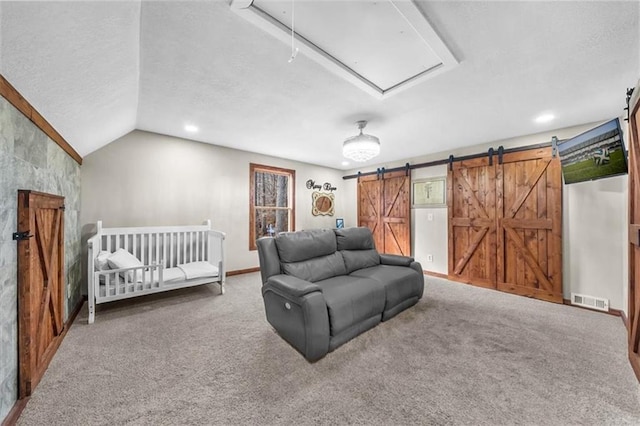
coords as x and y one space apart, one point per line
98 70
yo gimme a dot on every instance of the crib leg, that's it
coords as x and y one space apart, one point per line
91 296
92 311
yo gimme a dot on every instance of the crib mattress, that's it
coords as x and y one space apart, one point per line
111 282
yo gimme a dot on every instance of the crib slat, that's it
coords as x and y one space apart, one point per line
157 259
204 239
184 247
171 264
163 250
134 244
198 246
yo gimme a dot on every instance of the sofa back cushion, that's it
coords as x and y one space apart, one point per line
317 269
357 247
310 255
360 259
303 245
354 238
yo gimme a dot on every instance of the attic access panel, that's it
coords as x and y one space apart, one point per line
380 46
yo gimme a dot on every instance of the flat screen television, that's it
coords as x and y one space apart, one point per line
595 154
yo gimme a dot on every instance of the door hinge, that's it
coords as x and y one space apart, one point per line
62 207
19 236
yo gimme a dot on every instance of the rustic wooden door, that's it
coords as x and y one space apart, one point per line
634 233
396 213
529 224
40 284
384 207
472 222
370 207
505 223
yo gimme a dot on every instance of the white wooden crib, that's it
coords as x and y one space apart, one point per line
170 257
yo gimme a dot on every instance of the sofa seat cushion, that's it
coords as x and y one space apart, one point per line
400 283
351 300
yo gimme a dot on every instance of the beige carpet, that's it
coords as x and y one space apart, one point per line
462 355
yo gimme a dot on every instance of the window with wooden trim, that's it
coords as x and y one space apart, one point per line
272 202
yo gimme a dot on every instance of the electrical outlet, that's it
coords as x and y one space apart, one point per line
429 258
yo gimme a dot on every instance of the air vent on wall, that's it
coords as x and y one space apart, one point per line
590 302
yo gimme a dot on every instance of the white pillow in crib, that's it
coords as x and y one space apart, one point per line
198 270
102 261
172 274
123 259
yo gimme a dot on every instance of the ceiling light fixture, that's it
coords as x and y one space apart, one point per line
345 163
361 147
191 128
545 118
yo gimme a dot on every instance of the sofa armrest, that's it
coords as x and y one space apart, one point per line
297 310
395 260
288 284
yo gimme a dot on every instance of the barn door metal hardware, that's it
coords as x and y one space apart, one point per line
500 154
629 93
554 147
451 163
19 236
491 156
407 169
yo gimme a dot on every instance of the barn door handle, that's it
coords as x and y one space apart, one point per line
19 236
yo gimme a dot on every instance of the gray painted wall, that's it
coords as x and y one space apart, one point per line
30 160
145 179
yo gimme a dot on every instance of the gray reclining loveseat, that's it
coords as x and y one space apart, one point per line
323 287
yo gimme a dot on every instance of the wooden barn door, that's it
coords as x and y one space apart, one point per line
384 207
472 222
396 213
529 213
634 233
505 223
370 207
40 284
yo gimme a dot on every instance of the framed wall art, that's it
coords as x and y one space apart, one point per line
429 192
322 204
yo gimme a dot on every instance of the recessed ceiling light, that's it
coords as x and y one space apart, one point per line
191 128
545 118
345 163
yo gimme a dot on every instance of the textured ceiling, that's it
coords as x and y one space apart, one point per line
97 70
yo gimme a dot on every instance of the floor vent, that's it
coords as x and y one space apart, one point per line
590 302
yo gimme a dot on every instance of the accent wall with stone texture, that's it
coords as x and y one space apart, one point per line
29 159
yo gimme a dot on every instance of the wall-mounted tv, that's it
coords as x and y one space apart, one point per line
595 154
